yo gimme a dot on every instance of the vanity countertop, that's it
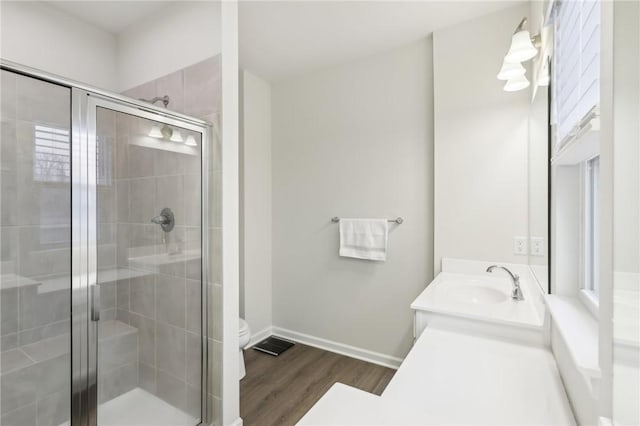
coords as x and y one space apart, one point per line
452 378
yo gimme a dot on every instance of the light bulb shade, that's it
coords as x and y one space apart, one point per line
521 48
155 132
176 136
516 83
190 141
510 70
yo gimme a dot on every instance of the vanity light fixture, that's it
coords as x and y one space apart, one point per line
510 70
155 132
522 48
517 83
190 141
176 137
164 132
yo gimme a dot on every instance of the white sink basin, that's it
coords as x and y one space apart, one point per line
476 295
481 297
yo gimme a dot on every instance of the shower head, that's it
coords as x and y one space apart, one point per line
164 99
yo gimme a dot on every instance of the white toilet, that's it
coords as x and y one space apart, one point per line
244 335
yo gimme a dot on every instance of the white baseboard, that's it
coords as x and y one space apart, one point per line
260 335
339 348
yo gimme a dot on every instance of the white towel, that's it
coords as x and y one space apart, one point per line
364 238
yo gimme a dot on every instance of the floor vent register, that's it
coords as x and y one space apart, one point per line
273 345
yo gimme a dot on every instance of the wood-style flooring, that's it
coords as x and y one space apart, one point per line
278 391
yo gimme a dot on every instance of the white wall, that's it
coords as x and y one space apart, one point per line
626 177
626 211
353 140
230 214
255 199
480 142
40 36
177 36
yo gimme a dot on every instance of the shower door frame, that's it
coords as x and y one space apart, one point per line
85 294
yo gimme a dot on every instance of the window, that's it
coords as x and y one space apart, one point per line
591 231
104 161
576 66
576 148
51 154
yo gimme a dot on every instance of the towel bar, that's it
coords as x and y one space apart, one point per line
397 220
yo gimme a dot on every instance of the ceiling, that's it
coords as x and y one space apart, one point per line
279 39
110 16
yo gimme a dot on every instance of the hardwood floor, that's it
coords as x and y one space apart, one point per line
278 391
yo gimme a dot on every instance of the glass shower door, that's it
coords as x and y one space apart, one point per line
35 232
148 289
102 302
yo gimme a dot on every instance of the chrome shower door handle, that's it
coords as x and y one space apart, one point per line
95 302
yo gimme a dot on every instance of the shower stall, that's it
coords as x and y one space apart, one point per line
105 248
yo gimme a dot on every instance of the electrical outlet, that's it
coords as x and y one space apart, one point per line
537 246
520 246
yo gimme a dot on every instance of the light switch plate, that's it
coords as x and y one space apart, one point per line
520 246
537 246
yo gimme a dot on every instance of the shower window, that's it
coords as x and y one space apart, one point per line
51 154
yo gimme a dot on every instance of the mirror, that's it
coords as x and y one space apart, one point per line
538 181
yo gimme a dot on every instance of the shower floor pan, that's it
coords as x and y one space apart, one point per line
140 408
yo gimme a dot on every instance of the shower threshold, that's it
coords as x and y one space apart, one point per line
141 408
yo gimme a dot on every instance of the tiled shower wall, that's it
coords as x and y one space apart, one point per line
193 91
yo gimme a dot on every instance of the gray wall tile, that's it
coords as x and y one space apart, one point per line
107 295
118 381
13 360
118 351
23 416
194 359
194 306
142 295
54 409
18 388
171 300
146 338
49 330
171 389
9 314
140 161
8 342
170 350
141 200
147 377
123 294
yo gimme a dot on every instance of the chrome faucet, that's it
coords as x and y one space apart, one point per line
516 292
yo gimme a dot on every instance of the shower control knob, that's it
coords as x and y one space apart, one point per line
166 220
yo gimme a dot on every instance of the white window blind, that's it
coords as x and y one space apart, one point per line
52 160
576 65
